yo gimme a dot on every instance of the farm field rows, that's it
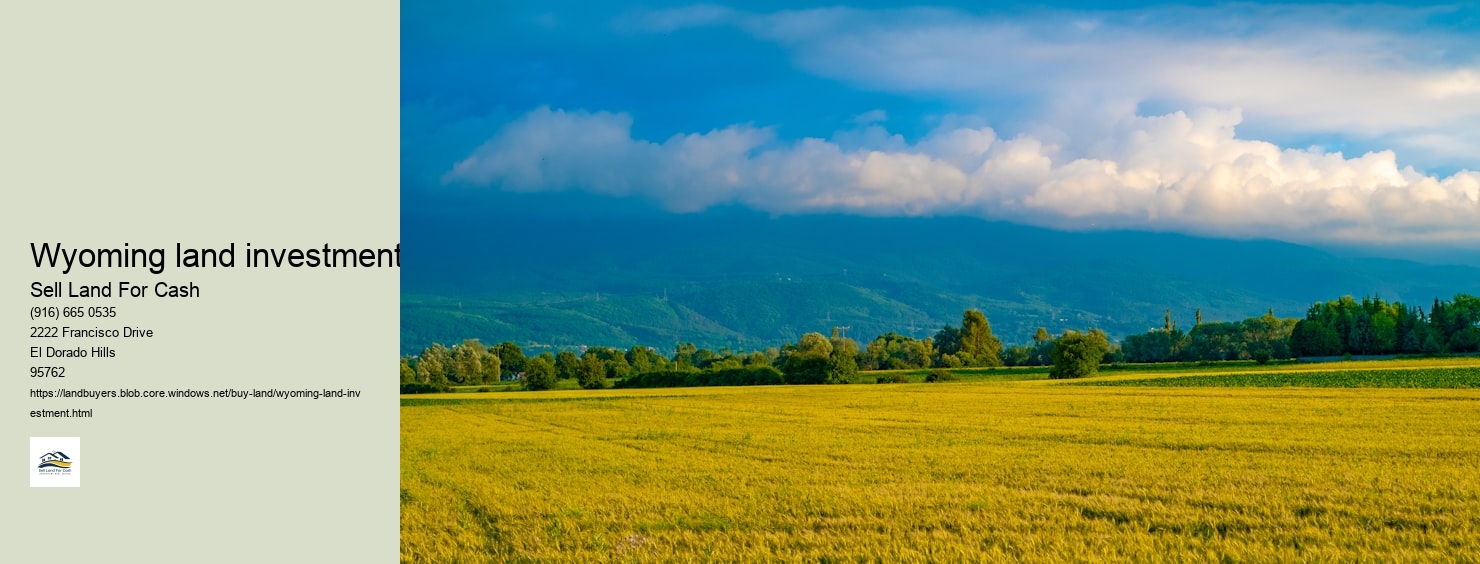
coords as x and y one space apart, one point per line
1446 377
1107 374
1002 470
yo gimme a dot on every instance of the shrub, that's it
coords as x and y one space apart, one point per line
418 388
591 372
896 378
1076 355
539 374
842 367
939 375
806 369
761 375
1465 340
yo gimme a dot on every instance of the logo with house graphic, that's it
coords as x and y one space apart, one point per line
55 459
55 462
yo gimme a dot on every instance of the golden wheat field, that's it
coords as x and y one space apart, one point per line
962 471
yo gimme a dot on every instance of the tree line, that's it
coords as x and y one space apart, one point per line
1342 326
812 359
1374 326
1257 338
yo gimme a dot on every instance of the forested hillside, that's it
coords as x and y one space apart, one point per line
745 281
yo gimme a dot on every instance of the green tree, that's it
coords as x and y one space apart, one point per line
805 369
643 359
1266 335
591 373
467 362
725 362
892 351
947 341
977 340
842 362
815 344
1020 355
1384 332
565 365
703 358
1465 340
1464 313
511 357
539 374
1431 344
431 366
408 374
1362 338
683 357
757 358
1077 355
1157 345
492 367
807 361
1311 338
613 360
919 352
1411 342
1216 341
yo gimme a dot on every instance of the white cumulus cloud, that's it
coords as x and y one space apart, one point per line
1369 72
1186 172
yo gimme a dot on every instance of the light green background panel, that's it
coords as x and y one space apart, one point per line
206 124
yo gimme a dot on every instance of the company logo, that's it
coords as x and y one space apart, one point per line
56 462
56 459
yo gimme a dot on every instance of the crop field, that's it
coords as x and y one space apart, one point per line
1449 377
981 469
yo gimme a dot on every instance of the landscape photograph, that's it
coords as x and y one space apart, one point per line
949 282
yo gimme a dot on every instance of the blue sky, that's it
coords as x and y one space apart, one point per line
1323 124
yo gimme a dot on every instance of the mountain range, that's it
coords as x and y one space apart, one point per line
743 280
